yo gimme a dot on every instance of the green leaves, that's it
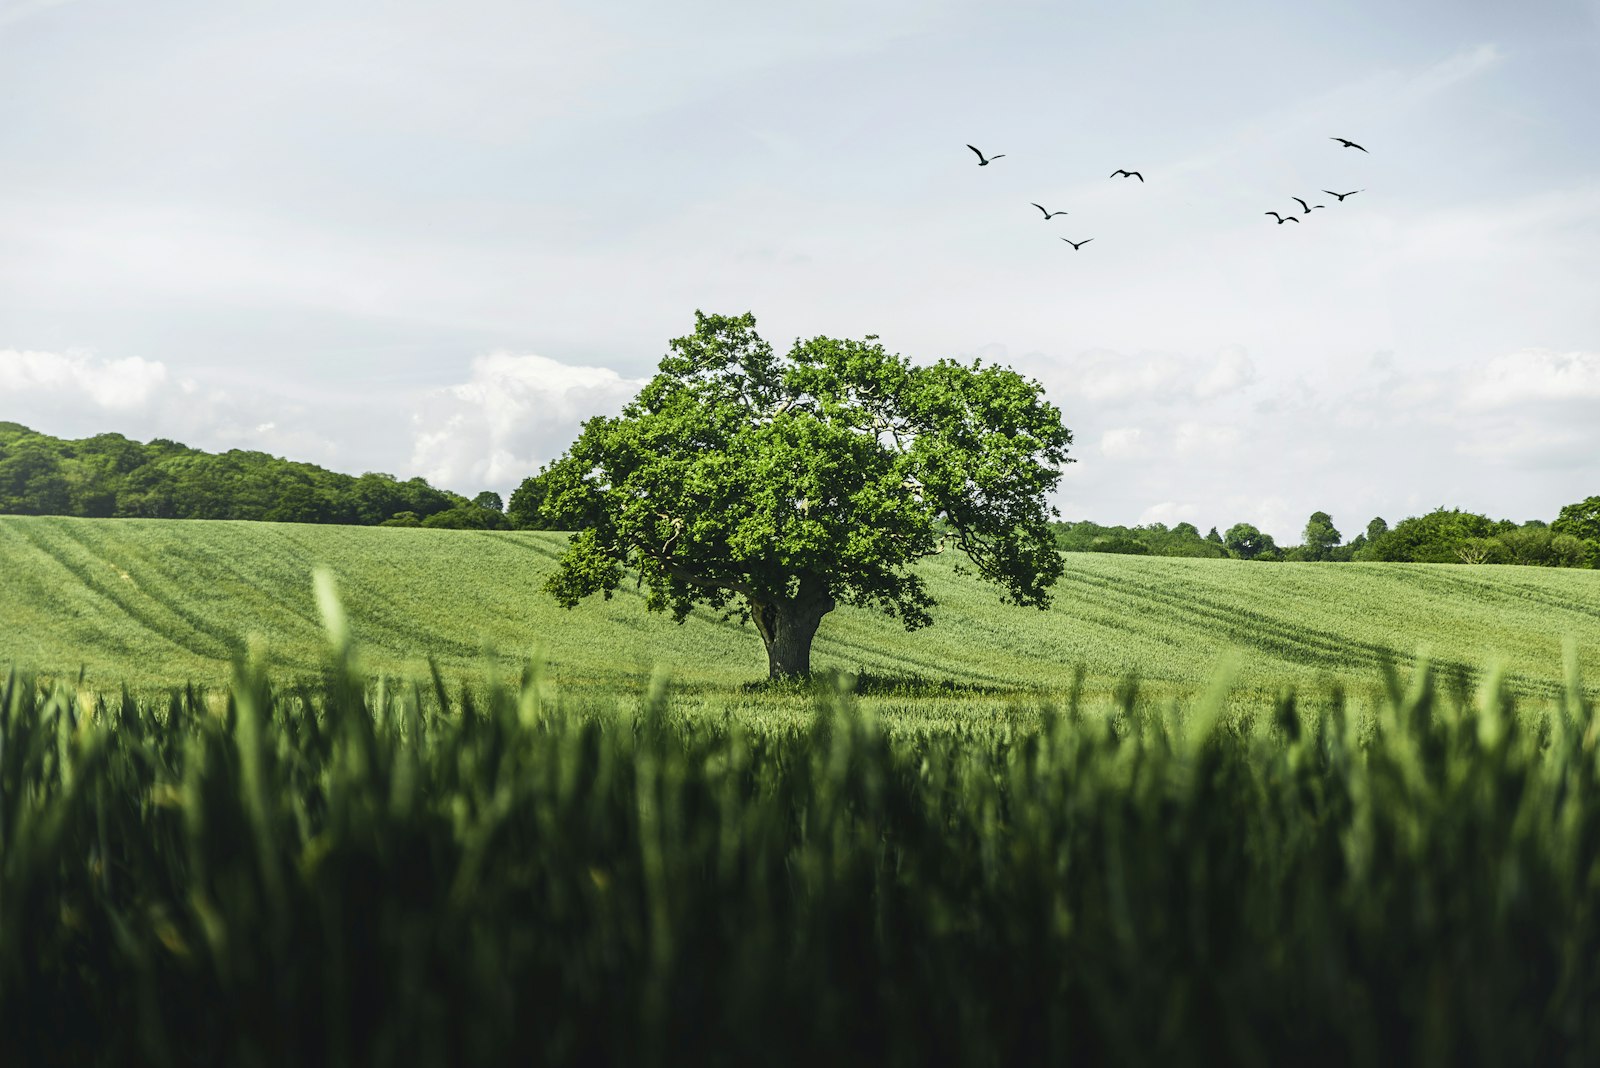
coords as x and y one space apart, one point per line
1581 520
737 473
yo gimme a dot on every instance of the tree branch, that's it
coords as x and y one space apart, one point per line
975 548
683 574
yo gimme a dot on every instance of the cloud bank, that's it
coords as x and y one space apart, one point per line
80 378
1161 437
513 414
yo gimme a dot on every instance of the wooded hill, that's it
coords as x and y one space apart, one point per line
110 475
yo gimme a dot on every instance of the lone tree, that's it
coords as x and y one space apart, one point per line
775 489
1246 542
1321 536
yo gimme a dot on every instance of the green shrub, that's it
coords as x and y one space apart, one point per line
466 517
1119 543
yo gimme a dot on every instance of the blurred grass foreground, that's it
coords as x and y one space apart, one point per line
348 873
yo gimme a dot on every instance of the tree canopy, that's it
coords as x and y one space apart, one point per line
110 475
1433 538
776 488
1246 542
1321 536
1580 519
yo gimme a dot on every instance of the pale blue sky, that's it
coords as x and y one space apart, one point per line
430 238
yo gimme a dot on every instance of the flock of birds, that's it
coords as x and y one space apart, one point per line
1305 208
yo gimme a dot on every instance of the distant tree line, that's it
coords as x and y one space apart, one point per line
110 475
1443 536
1154 539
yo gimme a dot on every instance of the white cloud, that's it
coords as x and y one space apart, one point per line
1111 379
1276 516
1536 375
40 378
1195 439
1233 370
77 394
1122 443
512 414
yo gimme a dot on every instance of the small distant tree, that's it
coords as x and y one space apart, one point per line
525 509
31 482
1482 551
775 489
1246 542
1568 551
1376 528
1320 537
491 500
1433 538
1581 520
1119 543
1212 535
1539 546
466 516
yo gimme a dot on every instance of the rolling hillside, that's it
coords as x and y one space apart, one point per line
157 602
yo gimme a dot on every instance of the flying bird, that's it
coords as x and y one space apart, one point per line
1127 174
1048 215
1282 219
1306 206
1348 144
985 162
1076 245
1341 196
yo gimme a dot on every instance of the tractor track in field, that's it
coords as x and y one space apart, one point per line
1296 644
197 642
111 588
373 613
158 572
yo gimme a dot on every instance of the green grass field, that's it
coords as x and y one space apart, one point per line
151 603
972 862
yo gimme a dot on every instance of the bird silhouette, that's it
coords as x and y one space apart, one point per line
1341 196
1348 144
1306 206
1048 215
985 162
1076 245
1281 219
1127 174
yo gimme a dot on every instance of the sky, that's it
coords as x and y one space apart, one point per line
431 239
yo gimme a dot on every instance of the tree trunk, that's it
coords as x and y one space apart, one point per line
787 625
